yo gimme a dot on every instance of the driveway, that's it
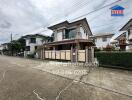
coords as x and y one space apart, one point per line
24 79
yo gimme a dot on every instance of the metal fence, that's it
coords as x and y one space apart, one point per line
68 55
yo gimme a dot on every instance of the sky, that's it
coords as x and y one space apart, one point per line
21 17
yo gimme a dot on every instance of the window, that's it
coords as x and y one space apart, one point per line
104 39
27 48
95 40
33 40
36 47
70 33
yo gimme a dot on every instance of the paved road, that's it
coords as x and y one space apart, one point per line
20 81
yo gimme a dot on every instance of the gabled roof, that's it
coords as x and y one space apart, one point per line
103 34
70 24
117 7
127 25
122 35
65 23
34 35
5 43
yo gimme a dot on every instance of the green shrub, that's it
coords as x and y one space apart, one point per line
121 59
31 56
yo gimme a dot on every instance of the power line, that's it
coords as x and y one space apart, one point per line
81 6
78 6
103 25
97 9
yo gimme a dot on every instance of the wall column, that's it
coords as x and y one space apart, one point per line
92 54
78 36
89 54
86 54
41 53
71 53
76 51
41 50
44 53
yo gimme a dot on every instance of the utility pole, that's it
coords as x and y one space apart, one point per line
11 46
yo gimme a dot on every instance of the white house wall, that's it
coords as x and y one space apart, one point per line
83 34
27 42
100 44
59 35
129 48
1 47
39 41
55 35
32 45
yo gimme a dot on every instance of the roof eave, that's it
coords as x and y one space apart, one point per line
123 28
54 26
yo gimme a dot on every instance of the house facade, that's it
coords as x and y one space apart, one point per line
32 43
4 46
1 49
102 39
69 40
120 42
128 30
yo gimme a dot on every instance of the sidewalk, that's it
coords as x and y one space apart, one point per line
117 81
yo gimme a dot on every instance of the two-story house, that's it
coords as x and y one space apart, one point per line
33 41
74 34
128 28
120 42
3 48
69 37
102 39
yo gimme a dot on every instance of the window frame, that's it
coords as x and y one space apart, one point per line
104 39
32 40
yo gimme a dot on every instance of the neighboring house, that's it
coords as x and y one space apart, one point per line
69 38
4 47
32 43
120 42
1 49
121 36
102 39
128 28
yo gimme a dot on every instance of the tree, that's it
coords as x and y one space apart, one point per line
16 46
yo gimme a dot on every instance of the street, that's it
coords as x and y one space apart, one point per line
20 80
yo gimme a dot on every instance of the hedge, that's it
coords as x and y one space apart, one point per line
115 59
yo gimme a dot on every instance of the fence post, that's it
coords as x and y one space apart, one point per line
51 54
60 54
76 54
55 54
92 54
65 54
43 53
71 54
86 54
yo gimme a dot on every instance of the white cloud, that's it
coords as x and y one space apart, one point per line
25 16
